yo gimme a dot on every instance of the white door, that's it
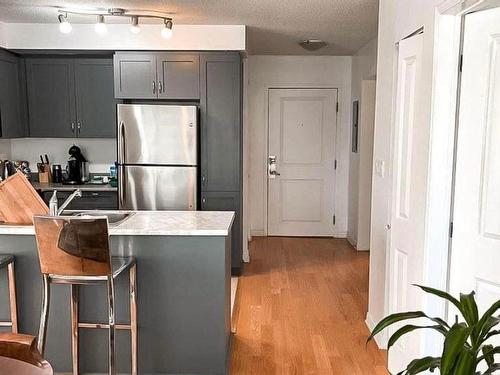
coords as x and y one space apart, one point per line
409 187
301 174
475 256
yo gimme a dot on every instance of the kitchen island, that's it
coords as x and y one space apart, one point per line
183 275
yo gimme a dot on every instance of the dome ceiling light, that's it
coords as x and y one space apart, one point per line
312 44
101 28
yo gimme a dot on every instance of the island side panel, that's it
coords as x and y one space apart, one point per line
183 305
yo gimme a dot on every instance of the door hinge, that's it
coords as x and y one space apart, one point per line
335 164
461 63
451 229
334 219
337 108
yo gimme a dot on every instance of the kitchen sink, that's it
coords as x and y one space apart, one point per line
114 218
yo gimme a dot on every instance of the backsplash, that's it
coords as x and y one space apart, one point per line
4 149
101 153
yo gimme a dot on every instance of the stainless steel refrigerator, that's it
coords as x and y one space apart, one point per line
157 157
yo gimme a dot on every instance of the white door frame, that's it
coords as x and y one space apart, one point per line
344 111
445 91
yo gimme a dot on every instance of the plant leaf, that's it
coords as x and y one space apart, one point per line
453 345
420 365
410 328
395 318
470 308
466 363
488 354
492 369
486 327
486 317
490 335
443 295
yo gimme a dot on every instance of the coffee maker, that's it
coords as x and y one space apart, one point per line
77 168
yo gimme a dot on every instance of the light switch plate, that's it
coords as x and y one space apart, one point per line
380 168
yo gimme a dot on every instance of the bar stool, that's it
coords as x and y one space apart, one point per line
8 261
75 251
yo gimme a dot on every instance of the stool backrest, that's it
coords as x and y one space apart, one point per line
73 246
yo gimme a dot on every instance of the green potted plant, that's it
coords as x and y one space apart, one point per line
466 344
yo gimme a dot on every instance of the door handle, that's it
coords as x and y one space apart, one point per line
272 168
160 87
72 127
121 144
154 87
79 127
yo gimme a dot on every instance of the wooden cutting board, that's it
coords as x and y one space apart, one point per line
19 201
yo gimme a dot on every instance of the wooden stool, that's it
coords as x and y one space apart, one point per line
8 261
19 355
75 251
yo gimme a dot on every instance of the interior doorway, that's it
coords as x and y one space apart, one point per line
301 162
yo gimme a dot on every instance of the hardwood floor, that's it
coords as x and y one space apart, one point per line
300 309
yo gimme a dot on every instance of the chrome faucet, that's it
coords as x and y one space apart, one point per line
53 204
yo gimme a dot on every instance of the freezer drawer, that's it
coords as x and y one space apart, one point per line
157 188
157 134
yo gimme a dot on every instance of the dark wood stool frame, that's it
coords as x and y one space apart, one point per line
63 266
8 261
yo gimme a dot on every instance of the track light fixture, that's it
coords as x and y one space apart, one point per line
64 25
134 27
101 28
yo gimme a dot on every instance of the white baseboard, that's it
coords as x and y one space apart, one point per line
352 241
258 233
340 234
381 338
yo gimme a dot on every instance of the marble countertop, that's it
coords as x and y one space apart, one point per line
60 187
157 223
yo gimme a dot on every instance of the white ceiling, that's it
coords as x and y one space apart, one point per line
274 26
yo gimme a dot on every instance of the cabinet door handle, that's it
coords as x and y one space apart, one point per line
160 87
154 87
73 127
79 126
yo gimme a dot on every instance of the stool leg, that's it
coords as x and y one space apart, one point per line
111 304
74 329
44 316
12 297
133 317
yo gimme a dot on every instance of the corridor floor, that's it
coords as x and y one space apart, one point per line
300 309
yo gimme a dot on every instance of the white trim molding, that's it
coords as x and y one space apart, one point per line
381 339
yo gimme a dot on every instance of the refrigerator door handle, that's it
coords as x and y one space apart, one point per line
121 143
121 187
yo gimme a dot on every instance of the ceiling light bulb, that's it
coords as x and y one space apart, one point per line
100 26
166 32
64 25
135 28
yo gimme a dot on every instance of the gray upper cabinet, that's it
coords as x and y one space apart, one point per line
221 122
51 97
157 75
95 102
178 76
135 75
12 97
70 97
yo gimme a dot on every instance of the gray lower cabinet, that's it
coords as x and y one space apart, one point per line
90 200
51 97
221 140
12 97
158 75
70 97
95 101
228 201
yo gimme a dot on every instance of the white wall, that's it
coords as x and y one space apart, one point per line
364 66
101 153
398 19
5 150
266 72
118 37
